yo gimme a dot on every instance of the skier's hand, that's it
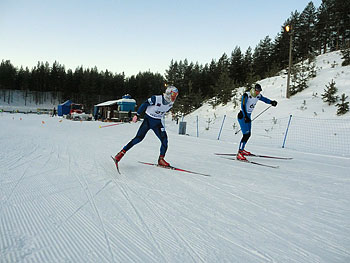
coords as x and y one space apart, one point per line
134 119
274 103
247 120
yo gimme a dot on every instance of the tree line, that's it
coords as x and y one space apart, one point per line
314 31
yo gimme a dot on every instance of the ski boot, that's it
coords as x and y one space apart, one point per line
240 156
244 152
119 156
162 162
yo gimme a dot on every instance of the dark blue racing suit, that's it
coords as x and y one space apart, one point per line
150 123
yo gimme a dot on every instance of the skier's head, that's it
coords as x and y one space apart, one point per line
255 91
171 93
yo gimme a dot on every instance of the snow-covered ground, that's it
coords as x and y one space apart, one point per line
61 199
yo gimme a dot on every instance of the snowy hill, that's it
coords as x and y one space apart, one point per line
28 101
313 121
61 199
328 67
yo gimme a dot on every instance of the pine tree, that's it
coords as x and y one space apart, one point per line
340 10
237 71
248 65
346 57
299 79
171 74
280 53
306 30
333 24
224 87
7 75
22 79
301 73
262 57
343 107
329 93
323 27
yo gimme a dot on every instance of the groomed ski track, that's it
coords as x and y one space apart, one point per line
62 200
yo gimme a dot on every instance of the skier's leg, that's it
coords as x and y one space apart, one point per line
246 128
141 133
160 132
244 140
163 137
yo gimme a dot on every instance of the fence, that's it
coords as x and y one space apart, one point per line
326 136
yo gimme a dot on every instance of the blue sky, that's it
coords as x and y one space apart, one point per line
132 35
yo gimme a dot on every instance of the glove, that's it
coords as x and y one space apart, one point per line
274 103
134 119
247 120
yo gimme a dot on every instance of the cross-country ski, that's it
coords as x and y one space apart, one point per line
116 164
248 161
256 155
174 168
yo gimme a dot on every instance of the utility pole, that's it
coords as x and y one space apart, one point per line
288 29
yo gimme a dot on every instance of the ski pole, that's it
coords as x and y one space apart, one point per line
256 116
111 125
285 136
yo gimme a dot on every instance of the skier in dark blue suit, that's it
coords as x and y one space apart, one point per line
249 100
155 107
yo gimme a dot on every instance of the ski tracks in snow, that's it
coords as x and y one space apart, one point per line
150 215
303 226
124 189
62 200
84 185
35 216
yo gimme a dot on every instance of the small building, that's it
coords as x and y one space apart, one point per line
115 110
126 103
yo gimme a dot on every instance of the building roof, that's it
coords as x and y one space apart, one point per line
127 100
107 103
112 102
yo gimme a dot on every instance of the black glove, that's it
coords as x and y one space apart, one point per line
274 103
247 120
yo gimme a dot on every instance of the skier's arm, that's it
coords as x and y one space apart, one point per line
244 108
268 101
264 99
243 104
143 107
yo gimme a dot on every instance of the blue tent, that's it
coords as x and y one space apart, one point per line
64 108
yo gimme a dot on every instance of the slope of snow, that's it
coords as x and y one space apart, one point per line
328 68
61 199
27 101
313 121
